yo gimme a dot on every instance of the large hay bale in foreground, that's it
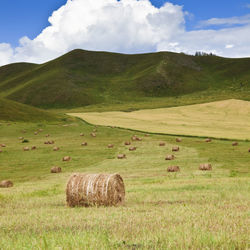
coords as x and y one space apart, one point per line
6 184
55 170
173 169
205 167
95 190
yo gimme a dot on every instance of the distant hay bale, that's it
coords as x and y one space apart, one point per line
55 170
178 140
146 135
134 138
132 148
175 149
26 149
121 156
93 134
161 144
84 144
21 138
235 144
208 140
6 184
82 134
3 145
249 150
66 158
35 133
173 169
170 157
95 190
127 143
110 145
205 167
40 130
24 131
139 139
56 149
33 148
49 142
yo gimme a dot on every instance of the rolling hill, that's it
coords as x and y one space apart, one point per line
14 111
81 78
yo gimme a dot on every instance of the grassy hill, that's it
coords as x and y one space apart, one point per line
13 111
82 78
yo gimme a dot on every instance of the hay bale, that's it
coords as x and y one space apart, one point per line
84 144
208 140
24 131
249 150
33 148
235 144
47 135
132 148
46 142
173 169
121 156
161 144
146 135
139 139
178 140
56 149
49 142
93 134
175 149
3 145
205 167
134 138
35 133
55 170
95 190
1 150
82 134
26 149
127 143
110 145
6 184
170 157
66 158
40 130
21 138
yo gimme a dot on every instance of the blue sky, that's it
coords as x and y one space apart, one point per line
20 18
221 27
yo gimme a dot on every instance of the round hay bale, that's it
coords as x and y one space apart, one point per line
82 134
235 144
127 143
170 157
110 145
55 170
33 148
51 142
24 131
40 130
249 150
132 148
66 158
21 138
6 184
26 149
161 144
146 135
84 144
56 149
95 190
47 135
208 140
35 133
3 145
121 156
178 140
173 169
46 142
175 149
205 167
139 139
93 134
134 138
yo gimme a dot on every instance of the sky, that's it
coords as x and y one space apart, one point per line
40 30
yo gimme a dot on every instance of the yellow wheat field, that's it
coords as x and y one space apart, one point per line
223 119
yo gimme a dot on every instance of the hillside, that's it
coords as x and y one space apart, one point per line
82 78
13 111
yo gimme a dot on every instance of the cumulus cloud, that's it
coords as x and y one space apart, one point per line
126 26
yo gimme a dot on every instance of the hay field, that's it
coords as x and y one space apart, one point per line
223 119
190 209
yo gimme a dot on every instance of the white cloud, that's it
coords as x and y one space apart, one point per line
127 26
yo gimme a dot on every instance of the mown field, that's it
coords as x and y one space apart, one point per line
228 119
186 210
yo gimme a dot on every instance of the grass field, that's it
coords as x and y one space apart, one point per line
186 210
228 119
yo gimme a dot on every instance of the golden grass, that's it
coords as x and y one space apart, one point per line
223 119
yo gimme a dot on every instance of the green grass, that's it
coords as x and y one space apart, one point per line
229 119
186 210
14 111
117 81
